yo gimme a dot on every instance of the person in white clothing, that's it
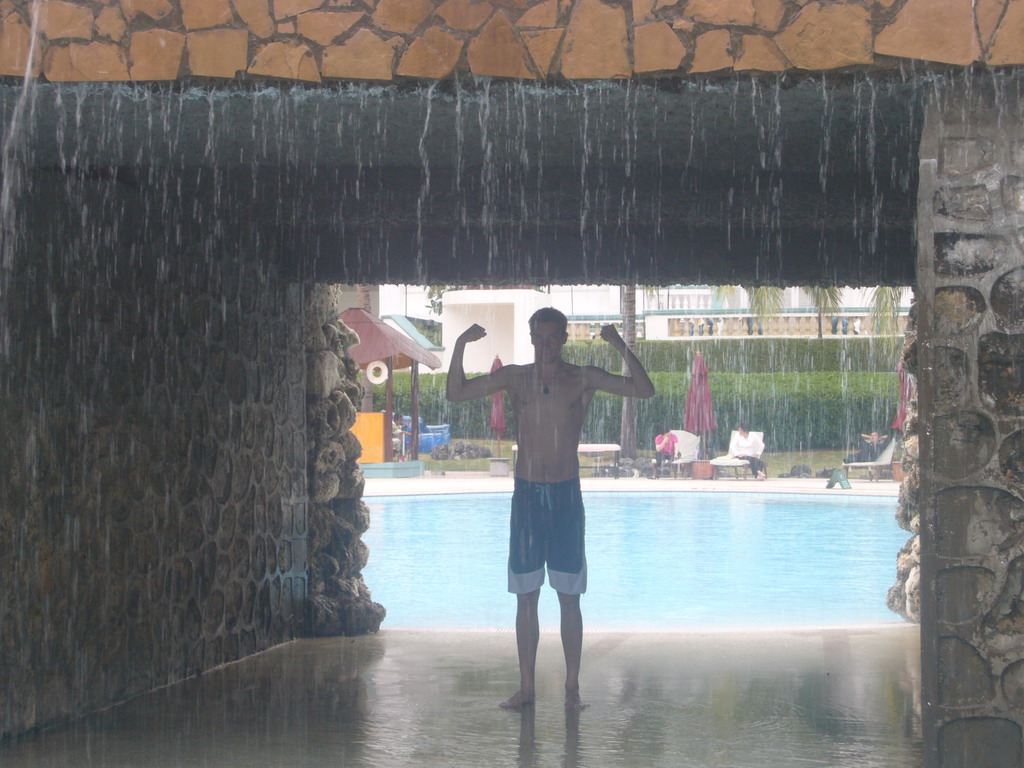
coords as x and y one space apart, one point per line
745 445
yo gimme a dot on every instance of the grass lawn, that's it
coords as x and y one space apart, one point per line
776 462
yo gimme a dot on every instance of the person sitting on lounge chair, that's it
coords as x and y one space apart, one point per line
745 445
664 449
871 446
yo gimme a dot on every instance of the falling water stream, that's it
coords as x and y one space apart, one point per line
396 175
132 217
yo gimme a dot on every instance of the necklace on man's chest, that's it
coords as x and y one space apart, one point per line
545 386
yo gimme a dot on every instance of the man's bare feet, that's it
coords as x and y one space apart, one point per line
573 703
518 700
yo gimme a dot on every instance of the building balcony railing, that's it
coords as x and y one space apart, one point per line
684 324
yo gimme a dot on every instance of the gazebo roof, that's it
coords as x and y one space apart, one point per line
379 341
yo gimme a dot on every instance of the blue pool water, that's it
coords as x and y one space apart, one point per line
656 560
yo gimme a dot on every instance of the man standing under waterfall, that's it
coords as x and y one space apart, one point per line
550 397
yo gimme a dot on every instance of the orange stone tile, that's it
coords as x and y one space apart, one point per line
988 13
287 61
401 16
466 15
656 48
15 44
932 30
543 44
203 14
824 37
643 11
433 54
154 9
155 54
541 16
596 43
1006 46
363 57
498 52
324 27
255 14
760 54
218 52
712 51
722 12
287 28
768 14
80 62
110 23
286 9
59 19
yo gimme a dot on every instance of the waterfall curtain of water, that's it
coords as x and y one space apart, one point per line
515 181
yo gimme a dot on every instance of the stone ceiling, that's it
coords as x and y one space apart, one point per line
781 180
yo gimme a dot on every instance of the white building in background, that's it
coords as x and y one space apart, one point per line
673 312
503 312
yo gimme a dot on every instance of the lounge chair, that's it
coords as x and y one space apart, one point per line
687 444
874 468
724 463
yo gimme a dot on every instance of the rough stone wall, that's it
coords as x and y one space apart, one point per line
971 350
316 40
904 596
152 464
339 601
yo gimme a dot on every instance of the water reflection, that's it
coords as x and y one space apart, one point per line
528 756
810 698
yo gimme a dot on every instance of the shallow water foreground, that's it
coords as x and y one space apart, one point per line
836 698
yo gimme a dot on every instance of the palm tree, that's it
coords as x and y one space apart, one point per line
885 310
435 295
627 430
765 300
885 315
827 299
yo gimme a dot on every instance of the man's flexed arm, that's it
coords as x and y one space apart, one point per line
459 388
637 383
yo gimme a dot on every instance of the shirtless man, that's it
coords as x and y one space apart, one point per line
550 397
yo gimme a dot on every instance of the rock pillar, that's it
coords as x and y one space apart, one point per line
339 602
971 356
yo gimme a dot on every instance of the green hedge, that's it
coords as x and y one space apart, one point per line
807 410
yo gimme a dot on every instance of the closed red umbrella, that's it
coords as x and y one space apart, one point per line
906 395
700 414
497 408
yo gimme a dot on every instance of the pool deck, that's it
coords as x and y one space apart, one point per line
817 697
482 482
813 698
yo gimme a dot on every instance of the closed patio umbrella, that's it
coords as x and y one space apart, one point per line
700 414
906 395
497 408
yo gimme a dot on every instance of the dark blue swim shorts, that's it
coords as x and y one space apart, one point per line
547 527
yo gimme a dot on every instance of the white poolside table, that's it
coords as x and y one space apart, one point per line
597 450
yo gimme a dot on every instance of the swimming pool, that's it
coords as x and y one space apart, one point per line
656 560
